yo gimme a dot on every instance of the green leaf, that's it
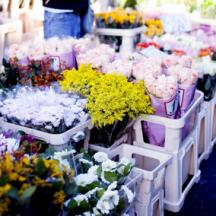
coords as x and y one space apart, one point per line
110 176
85 167
26 194
99 170
100 193
127 169
93 185
4 62
82 150
22 133
121 205
70 189
50 151
40 168
13 193
72 206
4 180
84 205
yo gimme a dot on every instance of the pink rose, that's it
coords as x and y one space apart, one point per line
96 63
81 59
185 61
156 59
12 50
128 69
104 59
172 60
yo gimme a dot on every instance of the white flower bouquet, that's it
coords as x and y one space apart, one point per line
101 189
46 111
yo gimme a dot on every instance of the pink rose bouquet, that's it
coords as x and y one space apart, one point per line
142 69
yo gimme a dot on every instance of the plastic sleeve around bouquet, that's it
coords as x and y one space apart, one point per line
186 96
164 71
106 136
61 61
24 60
166 108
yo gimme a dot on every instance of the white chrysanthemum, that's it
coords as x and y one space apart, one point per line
108 165
111 197
91 192
8 144
129 193
88 214
100 157
103 206
124 161
93 170
112 186
63 164
85 179
80 198
103 178
82 160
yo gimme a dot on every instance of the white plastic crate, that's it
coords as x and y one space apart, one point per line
154 165
127 35
133 181
58 141
154 208
211 110
10 33
184 153
203 135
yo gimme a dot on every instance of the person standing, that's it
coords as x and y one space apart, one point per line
64 17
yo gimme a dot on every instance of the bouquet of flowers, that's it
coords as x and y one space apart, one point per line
97 57
47 111
119 19
118 66
100 188
173 60
164 99
113 102
187 82
27 179
146 67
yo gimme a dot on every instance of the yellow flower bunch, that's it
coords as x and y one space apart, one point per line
154 27
156 23
113 97
24 174
79 81
119 16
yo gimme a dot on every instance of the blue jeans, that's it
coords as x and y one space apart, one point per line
62 24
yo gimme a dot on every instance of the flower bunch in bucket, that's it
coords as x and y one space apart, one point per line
27 179
119 19
101 188
113 102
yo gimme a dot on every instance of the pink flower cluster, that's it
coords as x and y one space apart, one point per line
145 68
172 60
163 87
185 76
41 48
119 66
97 57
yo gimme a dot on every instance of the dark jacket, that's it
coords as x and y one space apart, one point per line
76 5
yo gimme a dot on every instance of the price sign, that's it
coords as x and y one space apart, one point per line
175 23
152 51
